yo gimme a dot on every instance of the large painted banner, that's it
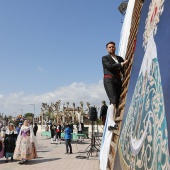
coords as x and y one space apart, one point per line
145 135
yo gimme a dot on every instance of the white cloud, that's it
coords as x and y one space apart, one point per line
75 92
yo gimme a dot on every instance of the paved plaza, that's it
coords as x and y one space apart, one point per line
52 156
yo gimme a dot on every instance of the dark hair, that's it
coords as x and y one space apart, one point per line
103 102
67 125
111 42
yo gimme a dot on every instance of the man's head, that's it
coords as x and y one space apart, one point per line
66 124
111 47
103 102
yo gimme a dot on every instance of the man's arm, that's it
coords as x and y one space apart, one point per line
110 66
123 63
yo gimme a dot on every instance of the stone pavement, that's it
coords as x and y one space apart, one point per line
52 156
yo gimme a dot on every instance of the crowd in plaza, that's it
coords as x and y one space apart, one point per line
20 143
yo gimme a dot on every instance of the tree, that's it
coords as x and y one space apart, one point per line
29 116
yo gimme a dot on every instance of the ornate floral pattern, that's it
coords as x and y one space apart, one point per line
147 101
143 142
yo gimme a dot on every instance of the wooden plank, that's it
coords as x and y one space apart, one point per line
116 132
118 119
113 145
124 93
121 106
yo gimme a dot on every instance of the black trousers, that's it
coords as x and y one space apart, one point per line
113 89
58 135
35 133
68 144
103 120
52 133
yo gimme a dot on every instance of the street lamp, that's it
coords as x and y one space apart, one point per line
33 114
122 7
15 115
22 111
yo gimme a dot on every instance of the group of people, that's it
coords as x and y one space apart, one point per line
55 132
67 129
19 145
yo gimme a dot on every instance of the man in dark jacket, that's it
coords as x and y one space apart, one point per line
113 69
35 129
103 112
52 128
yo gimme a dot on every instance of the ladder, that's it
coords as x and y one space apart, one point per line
129 56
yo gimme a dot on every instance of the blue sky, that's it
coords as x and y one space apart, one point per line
51 50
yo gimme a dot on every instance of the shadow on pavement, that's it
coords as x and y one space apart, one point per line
3 161
37 161
43 151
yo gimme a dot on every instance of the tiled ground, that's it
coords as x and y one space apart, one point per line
52 156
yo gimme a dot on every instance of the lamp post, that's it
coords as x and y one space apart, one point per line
22 111
33 114
15 115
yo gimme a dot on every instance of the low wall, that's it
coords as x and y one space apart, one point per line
96 128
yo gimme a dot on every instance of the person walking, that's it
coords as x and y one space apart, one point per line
9 141
67 138
113 69
35 129
52 128
26 144
80 127
58 133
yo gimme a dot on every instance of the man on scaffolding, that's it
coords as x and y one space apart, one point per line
113 74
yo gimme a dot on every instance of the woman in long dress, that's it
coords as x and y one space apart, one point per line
1 147
25 145
9 142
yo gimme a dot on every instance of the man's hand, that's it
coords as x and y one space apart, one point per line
124 63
